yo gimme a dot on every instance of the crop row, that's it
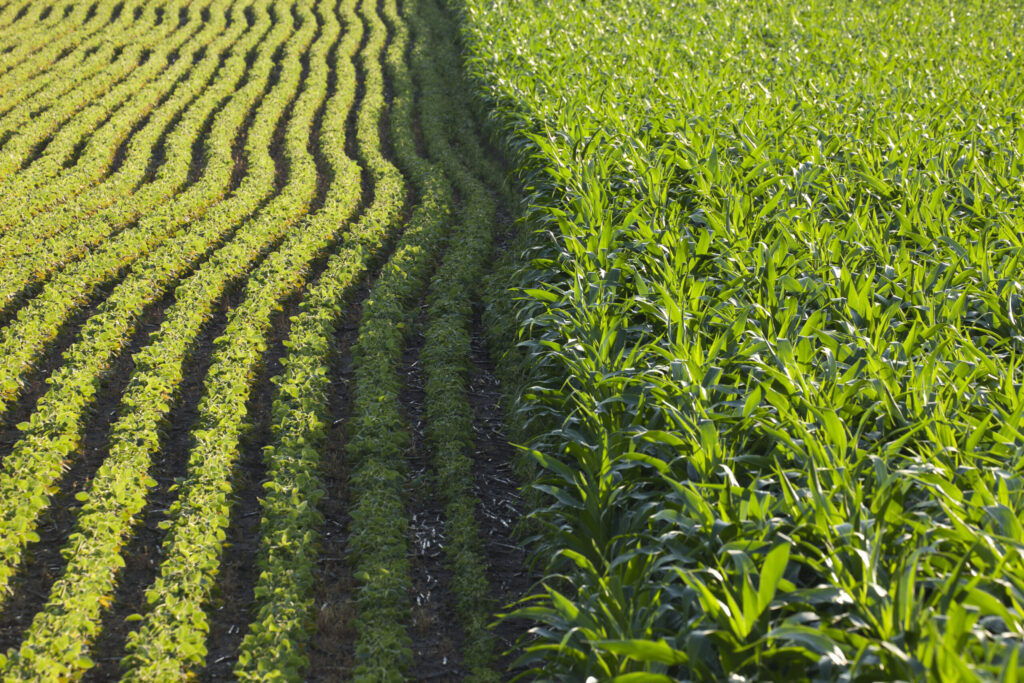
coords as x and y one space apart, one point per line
378 436
38 258
446 351
13 12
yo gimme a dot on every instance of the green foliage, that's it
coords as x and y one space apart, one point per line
50 220
378 434
33 81
275 647
53 432
446 351
102 125
95 91
773 303
120 124
167 240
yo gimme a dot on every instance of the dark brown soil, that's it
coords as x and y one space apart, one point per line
436 631
501 509
333 645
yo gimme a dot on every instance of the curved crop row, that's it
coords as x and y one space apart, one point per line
38 322
273 648
447 337
48 180
25 96
53 431
378 434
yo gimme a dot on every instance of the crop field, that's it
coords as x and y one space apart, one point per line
282 281
772 332
247 411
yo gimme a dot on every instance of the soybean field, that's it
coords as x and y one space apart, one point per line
250 427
